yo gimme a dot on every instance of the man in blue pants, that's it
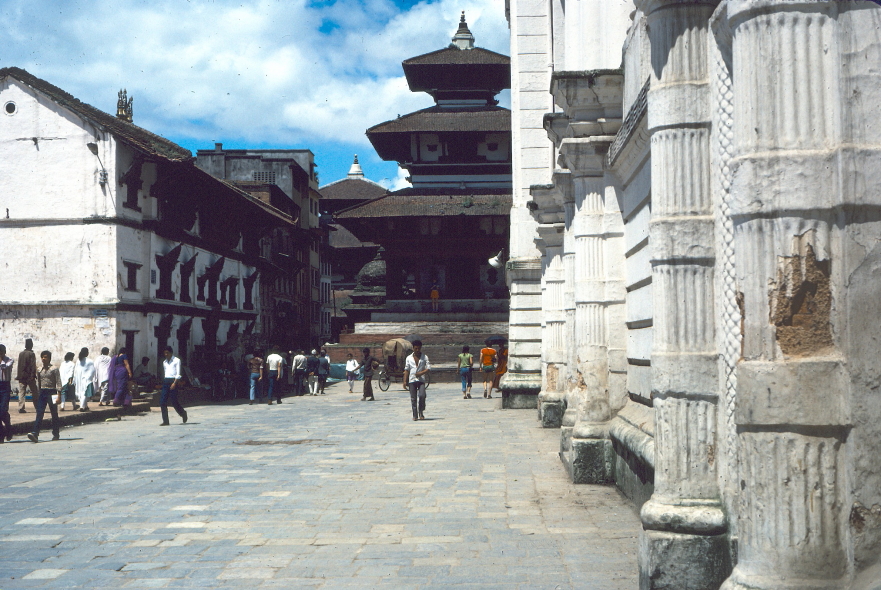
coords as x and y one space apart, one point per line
171 366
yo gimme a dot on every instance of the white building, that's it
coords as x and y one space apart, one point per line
697 229
113 237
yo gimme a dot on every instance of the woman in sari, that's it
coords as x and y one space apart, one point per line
119 375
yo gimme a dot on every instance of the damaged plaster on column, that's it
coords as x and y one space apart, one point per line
801 301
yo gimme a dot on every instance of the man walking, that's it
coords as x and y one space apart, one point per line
275 365
172 371
49 382
323 371
370 363
415 369
299 373
6 364
312 365
255 377
27 373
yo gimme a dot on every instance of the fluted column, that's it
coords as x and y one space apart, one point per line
683 544
550 213
792 409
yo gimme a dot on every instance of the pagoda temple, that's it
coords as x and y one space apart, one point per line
441 231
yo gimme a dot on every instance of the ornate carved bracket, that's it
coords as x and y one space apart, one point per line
248 283
166 264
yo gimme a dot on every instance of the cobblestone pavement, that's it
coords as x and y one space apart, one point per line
320 492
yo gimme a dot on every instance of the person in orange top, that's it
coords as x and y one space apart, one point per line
488 366
435 297
501 367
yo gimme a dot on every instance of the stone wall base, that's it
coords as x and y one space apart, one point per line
519 401
739 581
673 560
550 412
588 460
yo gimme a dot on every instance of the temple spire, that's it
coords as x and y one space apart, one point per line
463 39
355 171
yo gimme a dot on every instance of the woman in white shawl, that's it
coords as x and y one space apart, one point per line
84 379
66 373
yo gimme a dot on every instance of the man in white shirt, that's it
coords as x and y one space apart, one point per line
6 364
275 365
172 375
299 373
416 369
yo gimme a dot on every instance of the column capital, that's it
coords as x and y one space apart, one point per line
557 127
650 6
586 156
592 99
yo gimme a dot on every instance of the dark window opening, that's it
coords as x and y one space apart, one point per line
131 275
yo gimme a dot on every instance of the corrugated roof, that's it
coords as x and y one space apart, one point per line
454 55
140 139
352 188
438 120
441 202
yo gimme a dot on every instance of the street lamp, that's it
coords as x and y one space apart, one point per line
102 175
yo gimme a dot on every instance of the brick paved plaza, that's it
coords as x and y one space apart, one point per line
320 492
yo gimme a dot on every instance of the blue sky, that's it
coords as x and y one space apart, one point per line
248 73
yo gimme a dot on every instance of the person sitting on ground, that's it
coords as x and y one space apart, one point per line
488 366
142 374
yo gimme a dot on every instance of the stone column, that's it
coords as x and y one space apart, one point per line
796 275
548 200
532 156
683 544
592 103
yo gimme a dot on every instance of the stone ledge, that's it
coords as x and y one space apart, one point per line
74 418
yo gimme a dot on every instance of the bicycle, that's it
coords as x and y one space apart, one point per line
385 379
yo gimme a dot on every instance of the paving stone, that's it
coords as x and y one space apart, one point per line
319 493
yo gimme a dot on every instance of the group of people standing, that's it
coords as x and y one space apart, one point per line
493 364
77 377
308 374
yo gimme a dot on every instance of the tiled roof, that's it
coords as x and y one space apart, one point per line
343 238
454 55
441 202
439 120
138 138
352 188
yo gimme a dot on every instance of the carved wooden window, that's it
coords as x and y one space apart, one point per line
131 275
186 271
248 284
166 264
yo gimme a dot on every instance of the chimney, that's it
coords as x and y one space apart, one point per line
218 147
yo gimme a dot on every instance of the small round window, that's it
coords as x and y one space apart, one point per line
10 108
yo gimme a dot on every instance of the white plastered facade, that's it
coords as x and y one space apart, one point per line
69 240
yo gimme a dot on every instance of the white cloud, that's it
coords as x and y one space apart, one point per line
253 71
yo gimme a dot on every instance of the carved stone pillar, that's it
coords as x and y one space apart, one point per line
683 544
792 209
550 212
592 103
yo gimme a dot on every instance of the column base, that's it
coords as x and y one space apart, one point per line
673 561
740 581
588 460
520 390
551 407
